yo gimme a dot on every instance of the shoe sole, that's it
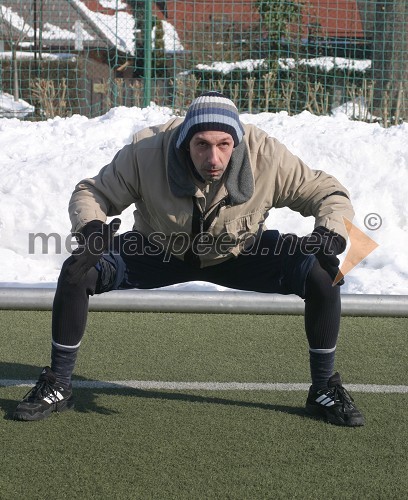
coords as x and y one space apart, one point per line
322 414
62 406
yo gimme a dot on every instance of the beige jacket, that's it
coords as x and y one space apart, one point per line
156 177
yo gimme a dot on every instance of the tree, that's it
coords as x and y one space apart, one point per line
277 15
159 54
14 37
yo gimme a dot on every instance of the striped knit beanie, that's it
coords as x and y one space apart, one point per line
210 111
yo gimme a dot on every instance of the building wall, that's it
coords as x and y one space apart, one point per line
339 18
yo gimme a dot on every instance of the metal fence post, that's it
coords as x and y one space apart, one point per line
147 91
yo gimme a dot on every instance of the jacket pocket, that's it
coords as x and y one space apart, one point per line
243 225
243 231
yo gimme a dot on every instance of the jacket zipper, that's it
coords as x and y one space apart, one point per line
216 211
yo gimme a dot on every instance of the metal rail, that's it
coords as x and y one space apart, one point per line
235 302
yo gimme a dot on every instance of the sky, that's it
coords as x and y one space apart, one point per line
41 162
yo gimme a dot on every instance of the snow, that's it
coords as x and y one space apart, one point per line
119 29
16 21
326 63
170 38
40 163
45 56
10 108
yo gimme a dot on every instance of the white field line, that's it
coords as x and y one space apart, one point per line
208 386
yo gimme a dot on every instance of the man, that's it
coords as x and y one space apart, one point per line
203 187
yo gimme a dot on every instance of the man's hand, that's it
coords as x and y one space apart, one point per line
94 239
325 245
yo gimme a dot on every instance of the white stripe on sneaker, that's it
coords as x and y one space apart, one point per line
325 400
54 397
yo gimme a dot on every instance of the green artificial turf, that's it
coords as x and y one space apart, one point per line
206 347
157 444
142 444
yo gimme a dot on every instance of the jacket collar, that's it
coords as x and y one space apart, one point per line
239 181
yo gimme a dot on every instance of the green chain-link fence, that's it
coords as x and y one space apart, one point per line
69 56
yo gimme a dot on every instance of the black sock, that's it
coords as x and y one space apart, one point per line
321 367
322 322
63 360
69 315
70 307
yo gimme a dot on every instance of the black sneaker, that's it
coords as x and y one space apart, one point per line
334 404
44 398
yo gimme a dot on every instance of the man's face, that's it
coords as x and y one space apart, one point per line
210 153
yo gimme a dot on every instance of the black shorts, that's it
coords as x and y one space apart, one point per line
268 267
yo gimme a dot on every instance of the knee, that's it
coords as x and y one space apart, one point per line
319 285
63 276
88 283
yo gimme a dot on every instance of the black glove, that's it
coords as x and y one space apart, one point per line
94 239
325 245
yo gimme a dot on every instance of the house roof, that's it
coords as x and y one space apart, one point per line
69 24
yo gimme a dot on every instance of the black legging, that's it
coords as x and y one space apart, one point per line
322 308
70 307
